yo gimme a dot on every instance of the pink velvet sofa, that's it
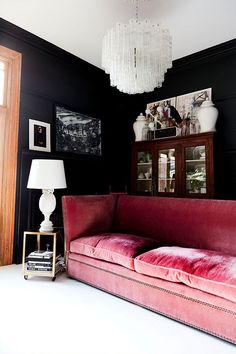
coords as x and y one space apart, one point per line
174 256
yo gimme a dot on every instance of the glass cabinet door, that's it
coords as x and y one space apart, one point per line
166 171
144 172
195 166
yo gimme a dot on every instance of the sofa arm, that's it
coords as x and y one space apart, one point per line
87 215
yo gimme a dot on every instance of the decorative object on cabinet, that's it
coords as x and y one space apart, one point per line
77 133
47 175
138 126
165 132
207 116
181 166
146 131
180 112
127 48
39 136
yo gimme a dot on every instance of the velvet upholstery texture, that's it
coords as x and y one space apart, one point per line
87 215
185 222
200 293
199 309
115 248
209 271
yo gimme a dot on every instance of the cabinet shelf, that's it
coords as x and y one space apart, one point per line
195 179
144 179
197 160
144 163
165 162
166 179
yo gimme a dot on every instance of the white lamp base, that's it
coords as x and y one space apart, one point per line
47 204
46 226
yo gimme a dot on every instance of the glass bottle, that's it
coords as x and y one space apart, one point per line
145 132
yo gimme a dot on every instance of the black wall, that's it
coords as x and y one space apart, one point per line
51 75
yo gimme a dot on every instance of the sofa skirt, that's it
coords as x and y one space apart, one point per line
198 309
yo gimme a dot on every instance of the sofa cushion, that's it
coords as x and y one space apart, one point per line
210 271
115 248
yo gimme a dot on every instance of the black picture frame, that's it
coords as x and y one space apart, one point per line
77 133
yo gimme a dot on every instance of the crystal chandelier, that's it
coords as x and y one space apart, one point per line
137 55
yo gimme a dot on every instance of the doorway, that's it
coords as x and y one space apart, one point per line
10 73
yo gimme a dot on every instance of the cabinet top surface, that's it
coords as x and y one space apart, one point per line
175 139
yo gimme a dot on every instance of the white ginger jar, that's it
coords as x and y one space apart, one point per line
138 127
207 116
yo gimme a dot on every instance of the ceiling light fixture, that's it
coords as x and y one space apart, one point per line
137 55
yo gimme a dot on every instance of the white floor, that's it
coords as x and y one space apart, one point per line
39 316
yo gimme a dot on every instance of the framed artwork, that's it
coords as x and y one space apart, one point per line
77 133
159 112
154 107
39 136
189 104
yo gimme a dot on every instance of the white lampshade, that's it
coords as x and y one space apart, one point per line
47 174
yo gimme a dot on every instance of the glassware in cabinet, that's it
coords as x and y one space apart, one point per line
166 171
195 167
144 172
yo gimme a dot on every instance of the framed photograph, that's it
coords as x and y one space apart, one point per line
77 133
39 136
188 105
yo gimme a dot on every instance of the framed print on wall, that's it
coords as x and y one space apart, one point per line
77 133
39 136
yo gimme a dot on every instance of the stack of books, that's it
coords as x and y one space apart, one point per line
42 261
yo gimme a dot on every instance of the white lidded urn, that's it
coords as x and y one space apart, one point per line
138 127
207 116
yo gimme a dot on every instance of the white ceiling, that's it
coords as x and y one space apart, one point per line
78 26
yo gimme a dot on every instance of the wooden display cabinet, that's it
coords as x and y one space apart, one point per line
176 167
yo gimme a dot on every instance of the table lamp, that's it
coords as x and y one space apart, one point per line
47 175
